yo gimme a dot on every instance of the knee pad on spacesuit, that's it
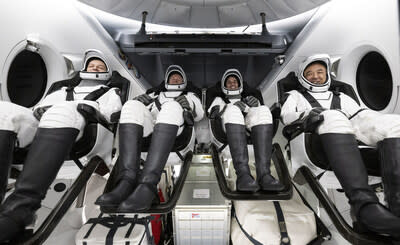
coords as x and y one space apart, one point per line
133 111
171 113
372 126
232 114
335 122
64 115
388 125
258 115
20 120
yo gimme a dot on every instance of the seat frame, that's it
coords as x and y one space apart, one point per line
306 164
89 141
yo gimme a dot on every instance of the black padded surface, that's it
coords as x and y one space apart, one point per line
290 82
116 81
312 142
189 88
216 124
316 155
86 143
216 91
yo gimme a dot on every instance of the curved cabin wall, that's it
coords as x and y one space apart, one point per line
348 31
63 30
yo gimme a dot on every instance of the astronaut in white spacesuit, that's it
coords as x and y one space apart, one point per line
51 132
241 107
343 122
161 111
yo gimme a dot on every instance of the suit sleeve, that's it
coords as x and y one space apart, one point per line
110 103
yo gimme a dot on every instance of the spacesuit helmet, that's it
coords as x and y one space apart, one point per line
232 73
91 55
172 70
322 59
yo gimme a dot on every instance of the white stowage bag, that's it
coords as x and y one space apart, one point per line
258 218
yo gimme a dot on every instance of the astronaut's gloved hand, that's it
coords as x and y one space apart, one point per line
182 100
188 118
38 112
214 113
242 106
144 98
251 101
312 121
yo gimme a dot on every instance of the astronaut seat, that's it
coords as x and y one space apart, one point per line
221 154
179 158
92 151
98 134
310 166
305 147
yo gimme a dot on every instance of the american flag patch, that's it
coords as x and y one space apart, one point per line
195 216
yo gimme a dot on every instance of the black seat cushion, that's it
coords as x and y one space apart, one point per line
290 82
88 140
216 124
317 156
116 81
312 140
184 138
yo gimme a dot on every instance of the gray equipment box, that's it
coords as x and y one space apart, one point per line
202 215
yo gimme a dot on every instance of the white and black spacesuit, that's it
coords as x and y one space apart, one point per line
343 122
52 130
161 112
241 108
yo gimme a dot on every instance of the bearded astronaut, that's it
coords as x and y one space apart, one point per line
344 122
241 108
161 111
51 131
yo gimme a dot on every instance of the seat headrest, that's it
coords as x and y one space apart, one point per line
118 81
290 82
216 91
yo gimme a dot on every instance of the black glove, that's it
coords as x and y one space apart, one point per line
38 112
182 100
214 113
188 118
251 101
144 98
242 106
312 121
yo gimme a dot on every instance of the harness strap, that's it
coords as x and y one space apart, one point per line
285 240
70 93
313 102
94 95
252 240
335 104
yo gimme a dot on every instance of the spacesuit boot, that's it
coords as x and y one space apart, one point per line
261 135
7 143
46 154
146 193
130 139
389 153
346 162
236 136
